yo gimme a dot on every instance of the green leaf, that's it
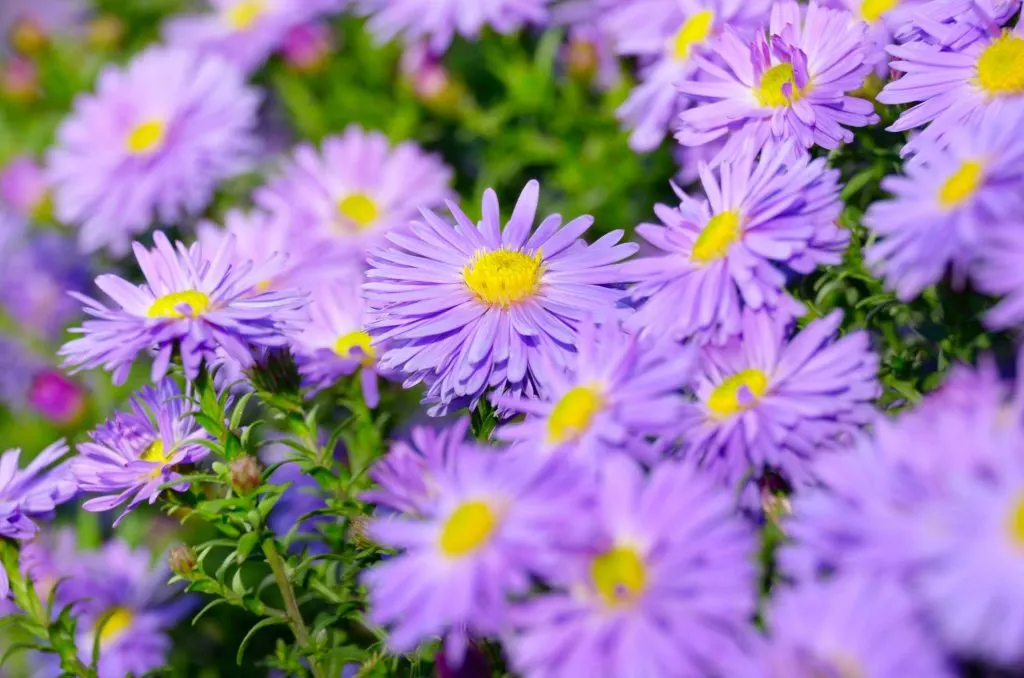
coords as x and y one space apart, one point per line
246 544
262 624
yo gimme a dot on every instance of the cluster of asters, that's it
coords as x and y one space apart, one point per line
648 405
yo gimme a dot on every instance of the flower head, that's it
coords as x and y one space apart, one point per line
666 35
721 254
438 21
474 306
619 389
150 144
345 199
791 86
885 18
191 305
27 25
25 190
494 520
765 400
244 32
133 454
664 586
950 203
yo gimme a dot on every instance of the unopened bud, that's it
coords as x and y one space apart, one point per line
106 31
357 531
182 560
246 474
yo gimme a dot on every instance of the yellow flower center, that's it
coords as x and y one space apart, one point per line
770 92
468 528
242 15
573 414
619 575
170 305
873 10
694 31
1015 524
1001 66
359 209
961 185
503 277
358 339
27 36
116 624
146 137
725 400
717 236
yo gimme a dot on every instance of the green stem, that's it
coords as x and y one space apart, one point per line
291 605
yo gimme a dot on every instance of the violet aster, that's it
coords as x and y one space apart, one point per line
345 198
619 389
666 35
495 519
789 86
847 626
25 190
953 87
723 253
439 21
765 399
335 343
955 24
150 144
244 32
129 457
999 270
191 304
28 382
665 586
31 493
884 19
474 306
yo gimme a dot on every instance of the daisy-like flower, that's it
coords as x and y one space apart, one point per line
848 626
335 343
954 24
27 25
666 35
494 520
438 21
999 270
131 455
884 19
665 586
191 305
244 32
954 87
791 86
721 254
150 144
31 493
474 306
948 204
619 389
25 190
765 400
346 198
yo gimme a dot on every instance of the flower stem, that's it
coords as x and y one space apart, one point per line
291 605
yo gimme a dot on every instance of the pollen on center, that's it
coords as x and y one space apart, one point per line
176 305
717 236
359 209
619 575
738 393
693 32
1001 66
503 277
146 137
573 414
468 528
778 87
961 185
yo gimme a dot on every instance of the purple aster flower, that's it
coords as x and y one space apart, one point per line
764 399
667 36
47 559
999 271
722 254
438 21
790 87
346 198
884 19
244 32
473 306
28 382
25 190
26 25
307 47
947 205
130 456
954 87
665 586
495 519
31 493
848 626
191 305
954 24
619 389
335 343
151 144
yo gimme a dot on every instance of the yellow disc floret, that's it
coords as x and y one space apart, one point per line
503 277
717 236
468 528
961 185
146 137
359 209
170 305
619 575
117 622
694 31
873 10
770 91
242 15
1015 525
573 414
1001 66
725 400
359 339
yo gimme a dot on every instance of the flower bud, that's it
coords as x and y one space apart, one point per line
246 474
182 560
